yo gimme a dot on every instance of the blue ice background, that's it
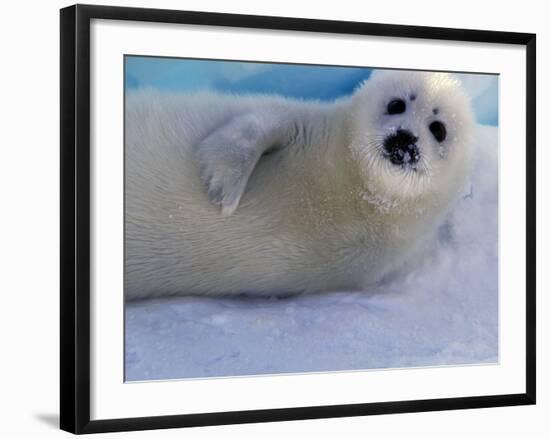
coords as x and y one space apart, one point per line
442 310
297 81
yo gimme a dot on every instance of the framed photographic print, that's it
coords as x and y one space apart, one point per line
267 218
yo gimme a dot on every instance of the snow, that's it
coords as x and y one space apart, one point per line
442 311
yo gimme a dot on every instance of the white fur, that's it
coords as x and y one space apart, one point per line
323 209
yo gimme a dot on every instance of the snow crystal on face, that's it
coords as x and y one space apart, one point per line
442 311
383 204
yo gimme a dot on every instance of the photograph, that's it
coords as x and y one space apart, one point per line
300 218
270 218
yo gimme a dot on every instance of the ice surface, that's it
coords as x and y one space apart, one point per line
442 311
483 91
296 81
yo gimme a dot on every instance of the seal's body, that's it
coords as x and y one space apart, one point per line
266 195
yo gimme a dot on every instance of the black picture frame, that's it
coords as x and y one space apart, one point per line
75 217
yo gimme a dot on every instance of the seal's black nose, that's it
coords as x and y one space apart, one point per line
401 148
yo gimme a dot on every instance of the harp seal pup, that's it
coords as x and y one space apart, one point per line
265 195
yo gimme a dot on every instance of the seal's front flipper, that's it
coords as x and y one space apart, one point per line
228 156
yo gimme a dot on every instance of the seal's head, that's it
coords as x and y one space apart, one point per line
412 136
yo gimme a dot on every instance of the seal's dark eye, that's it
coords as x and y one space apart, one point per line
396 106
438 130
